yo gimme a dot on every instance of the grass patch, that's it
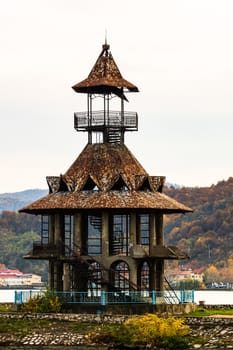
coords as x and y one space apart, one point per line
23 327
211 312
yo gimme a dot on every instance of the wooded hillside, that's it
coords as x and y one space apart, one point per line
207 233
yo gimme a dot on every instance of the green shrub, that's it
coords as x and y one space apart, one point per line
146 331
47 302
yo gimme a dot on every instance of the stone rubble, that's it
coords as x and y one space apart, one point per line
212 333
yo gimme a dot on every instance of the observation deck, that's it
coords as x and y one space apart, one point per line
100 120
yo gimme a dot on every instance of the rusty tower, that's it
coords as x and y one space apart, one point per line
102 221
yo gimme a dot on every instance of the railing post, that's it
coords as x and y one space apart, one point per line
103 300
181 296
192 295
153 297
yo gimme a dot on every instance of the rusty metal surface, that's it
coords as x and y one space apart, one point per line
105 77
106 176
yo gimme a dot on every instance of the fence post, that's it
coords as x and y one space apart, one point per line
103 301
15 301
153 297
181 296
192 295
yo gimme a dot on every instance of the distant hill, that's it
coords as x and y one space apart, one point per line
207 233
16 200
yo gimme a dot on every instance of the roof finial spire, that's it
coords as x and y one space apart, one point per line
105 36
106 46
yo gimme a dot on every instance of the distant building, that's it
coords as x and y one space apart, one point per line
15 277
181 275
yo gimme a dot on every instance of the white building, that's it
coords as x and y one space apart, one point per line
15 277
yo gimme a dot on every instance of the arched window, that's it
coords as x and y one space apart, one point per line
94 279
120 276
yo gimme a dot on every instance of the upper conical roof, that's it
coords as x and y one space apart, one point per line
105 77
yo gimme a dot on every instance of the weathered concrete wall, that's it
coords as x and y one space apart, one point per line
129 309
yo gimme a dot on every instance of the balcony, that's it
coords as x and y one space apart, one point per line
98 120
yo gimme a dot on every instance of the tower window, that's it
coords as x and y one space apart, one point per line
121 276
94 233
69 234
119 235
143 229
94 279
44 229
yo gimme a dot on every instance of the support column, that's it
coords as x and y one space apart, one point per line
152 232
159 229
77 233
133 273
159 263
133 229
58 276
152 276
57 231
105 234
159 275
66 277
51 229
51 275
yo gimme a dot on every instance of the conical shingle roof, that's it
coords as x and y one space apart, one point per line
106 176
105 77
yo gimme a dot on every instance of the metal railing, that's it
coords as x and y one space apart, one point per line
111 119
106 298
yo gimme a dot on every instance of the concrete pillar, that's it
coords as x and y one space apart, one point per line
159 229
159 275
152 232
152 277
66 277
133 276
133 229
51 229
57 230
77 233
58 276
51 275
105 234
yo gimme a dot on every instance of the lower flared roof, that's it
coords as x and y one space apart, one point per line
106 176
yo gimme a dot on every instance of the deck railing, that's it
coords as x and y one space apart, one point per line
112 119
106 298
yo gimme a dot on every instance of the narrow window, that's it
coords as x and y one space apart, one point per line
94 279
44 229
143 229
94 230
69 234
119 237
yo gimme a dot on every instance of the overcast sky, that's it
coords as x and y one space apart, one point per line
178 53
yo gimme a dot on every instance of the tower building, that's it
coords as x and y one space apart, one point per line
102 221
